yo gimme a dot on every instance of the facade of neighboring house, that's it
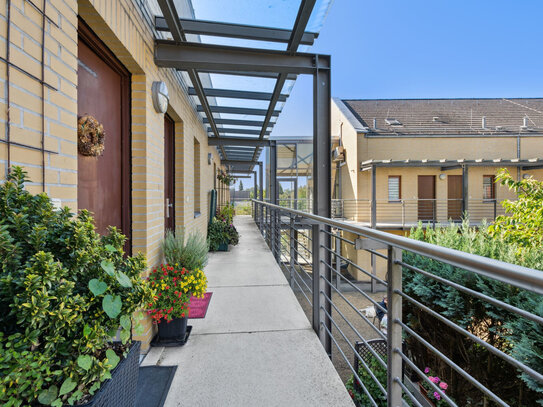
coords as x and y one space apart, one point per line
156 170
398 162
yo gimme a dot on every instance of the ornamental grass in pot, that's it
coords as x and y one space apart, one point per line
65 292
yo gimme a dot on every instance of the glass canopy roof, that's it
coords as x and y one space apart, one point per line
218 22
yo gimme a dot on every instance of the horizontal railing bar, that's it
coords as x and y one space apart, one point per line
356 266
358 311
522 277
406 391
381 255
519 365
474 293
302 291
353 328
357 355
337 236
374 404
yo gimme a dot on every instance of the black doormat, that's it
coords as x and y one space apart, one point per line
153 385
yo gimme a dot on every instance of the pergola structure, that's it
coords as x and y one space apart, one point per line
242 150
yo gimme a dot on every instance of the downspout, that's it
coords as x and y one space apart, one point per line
518 156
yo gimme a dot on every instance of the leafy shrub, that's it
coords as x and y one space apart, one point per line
192 255
64 292
500 328
217 234
226 213
174 287
523 224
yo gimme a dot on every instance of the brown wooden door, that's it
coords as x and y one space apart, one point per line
427 195
103 87
169 173
454 196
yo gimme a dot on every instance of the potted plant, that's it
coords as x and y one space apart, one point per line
169 307
175 283
220 234
65 292
432 396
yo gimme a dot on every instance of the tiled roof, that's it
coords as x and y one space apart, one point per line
448 116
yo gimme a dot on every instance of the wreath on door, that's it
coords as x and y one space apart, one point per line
90 136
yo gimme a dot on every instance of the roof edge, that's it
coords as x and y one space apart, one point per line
351 118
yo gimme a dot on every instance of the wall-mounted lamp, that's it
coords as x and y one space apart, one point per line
442 177
526 176
160 96
209 158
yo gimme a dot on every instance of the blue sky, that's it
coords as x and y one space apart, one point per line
424 49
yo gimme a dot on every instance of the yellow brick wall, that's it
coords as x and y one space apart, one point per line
57 111
121 26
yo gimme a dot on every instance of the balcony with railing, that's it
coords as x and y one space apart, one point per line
406 213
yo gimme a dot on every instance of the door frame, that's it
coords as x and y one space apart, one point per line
86 35
171 122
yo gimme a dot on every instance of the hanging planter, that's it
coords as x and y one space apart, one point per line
225 178
90 136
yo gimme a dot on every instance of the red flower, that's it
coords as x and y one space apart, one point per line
183 315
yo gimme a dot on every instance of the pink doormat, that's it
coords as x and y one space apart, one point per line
198 306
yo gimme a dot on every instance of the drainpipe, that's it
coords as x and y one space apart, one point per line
518 156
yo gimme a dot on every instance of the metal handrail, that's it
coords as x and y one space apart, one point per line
522 277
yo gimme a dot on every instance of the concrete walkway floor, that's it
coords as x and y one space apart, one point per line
255 347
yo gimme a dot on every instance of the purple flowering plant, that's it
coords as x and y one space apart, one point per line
433 395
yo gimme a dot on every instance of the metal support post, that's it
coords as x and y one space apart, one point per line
273 173
292 252
261 184
273 232
321 202
465 193
373 223
394 330
338 260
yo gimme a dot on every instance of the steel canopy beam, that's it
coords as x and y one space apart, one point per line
172 19
235 122
237 141
249 32
270 75
224 130
237 110
238 162
189 55
237 94
302 18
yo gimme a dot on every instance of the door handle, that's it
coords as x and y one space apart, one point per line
168 206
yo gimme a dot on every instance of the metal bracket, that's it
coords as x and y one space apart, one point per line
369 244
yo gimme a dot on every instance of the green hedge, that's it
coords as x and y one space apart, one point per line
506 331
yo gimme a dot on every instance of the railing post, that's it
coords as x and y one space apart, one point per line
292 252
403 213
272 232
394 330
338 260
278 236
495 208
320 287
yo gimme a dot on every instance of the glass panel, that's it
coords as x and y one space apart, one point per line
286 156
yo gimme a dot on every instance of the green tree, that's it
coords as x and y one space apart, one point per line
523 222
241 185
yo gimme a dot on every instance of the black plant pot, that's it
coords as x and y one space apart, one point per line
223 247
175 329
120 390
